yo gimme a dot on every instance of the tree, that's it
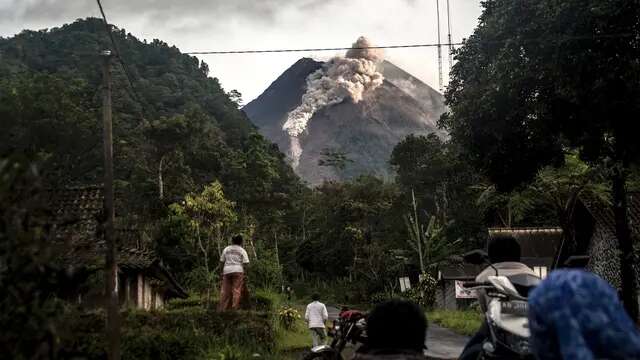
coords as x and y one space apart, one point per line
430 244
212 216
334 158
442 183
539 76
30 277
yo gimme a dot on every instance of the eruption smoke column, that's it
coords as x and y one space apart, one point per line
340 78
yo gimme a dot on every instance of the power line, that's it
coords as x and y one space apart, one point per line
225 52
116 51
449 44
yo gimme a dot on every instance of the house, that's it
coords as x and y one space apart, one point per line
596 246
143 281
449 294
538 246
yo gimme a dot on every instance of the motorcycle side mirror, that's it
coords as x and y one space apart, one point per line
476 257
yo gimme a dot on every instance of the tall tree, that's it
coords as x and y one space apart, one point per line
537 76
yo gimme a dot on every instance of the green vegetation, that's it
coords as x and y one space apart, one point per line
519 105
185 333
464 322
294 339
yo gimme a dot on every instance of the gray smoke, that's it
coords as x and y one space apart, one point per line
340 78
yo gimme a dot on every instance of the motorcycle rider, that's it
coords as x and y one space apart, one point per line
504 254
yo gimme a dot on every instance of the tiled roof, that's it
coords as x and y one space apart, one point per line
535 242
460 272
76 214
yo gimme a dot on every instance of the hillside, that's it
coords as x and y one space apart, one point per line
176 125
365 132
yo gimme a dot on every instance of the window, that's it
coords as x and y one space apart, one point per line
541 271
405 284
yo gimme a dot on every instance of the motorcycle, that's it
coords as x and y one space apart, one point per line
506 311
349 327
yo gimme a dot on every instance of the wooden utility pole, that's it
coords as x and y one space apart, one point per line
111 266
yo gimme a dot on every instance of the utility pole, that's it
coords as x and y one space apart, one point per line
111 266
439 48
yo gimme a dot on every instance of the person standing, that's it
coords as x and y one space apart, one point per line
316 315
233 261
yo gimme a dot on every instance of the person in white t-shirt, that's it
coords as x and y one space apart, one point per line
316 315
233 261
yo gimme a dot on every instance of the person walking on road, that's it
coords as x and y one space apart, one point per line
316 315
233 261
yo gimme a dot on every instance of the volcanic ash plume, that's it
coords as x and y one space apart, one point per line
340 78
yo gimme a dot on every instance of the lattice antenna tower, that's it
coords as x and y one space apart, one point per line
439 48
451 48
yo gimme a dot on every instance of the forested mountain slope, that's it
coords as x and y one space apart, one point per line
176 125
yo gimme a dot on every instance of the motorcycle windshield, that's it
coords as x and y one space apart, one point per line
524 283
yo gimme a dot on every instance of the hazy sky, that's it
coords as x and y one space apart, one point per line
199 25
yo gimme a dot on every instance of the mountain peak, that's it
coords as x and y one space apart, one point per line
365 131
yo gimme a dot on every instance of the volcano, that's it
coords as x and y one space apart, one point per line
365 131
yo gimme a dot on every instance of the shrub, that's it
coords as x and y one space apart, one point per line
192 301
265 273
424 293
265 300
378 298
288 317
184 333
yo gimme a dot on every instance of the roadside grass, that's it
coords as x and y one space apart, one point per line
463 322
291 343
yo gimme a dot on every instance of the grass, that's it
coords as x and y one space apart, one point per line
291 343
464 322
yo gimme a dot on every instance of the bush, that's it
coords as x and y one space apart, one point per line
424 294
288 317
193 301
265 300
264 273
186 333
199 281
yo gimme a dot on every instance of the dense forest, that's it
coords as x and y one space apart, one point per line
181 140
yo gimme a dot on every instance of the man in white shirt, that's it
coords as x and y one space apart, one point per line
232 261
316 315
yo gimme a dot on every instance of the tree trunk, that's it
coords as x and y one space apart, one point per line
206 262
627 272
160 181
417 230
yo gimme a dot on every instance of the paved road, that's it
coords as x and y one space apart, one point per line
442 343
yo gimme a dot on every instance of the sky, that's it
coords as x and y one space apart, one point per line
209 25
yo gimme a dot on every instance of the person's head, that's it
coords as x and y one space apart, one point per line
237 240
315 297
576 314
503 248
398 325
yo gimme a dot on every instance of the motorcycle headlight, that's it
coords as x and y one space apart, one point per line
515 343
